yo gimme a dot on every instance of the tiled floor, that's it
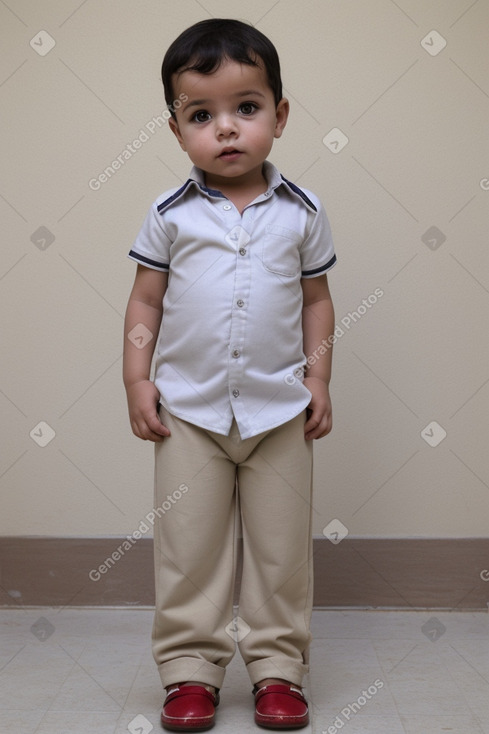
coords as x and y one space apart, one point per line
91 671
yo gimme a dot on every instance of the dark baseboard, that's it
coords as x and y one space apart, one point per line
411 573
364 573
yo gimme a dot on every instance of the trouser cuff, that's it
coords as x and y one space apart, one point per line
186 669
277 667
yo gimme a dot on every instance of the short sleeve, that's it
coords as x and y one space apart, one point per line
152 245
317 250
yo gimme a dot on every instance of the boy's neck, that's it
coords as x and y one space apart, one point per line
240 190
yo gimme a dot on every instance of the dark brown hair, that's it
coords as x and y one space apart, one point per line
205 45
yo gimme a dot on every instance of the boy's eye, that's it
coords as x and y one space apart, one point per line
247 108
201 116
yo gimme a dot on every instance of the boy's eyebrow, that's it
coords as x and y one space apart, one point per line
249 92
245 93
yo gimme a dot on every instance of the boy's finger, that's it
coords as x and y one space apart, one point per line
317 426
150 429
155 425
311 424
148 435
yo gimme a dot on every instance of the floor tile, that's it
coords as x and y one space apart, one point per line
363 725
55 722
416 672
441 725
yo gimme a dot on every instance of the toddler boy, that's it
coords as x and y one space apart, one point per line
231 294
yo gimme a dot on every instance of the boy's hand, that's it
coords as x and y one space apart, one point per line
319 411
142 398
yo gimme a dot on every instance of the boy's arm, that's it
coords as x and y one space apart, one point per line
144 309
317 326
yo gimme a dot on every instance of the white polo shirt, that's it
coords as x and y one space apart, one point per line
231 332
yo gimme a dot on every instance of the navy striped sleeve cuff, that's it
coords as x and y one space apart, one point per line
147 261
320 270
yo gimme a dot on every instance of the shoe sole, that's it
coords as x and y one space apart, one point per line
189 725
274 724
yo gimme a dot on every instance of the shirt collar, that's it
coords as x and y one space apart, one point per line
272 175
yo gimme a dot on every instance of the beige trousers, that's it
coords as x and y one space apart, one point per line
207 486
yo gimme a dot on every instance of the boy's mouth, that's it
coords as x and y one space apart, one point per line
229 154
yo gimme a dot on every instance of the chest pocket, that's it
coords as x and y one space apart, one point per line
280 253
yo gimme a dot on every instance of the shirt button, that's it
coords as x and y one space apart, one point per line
236 353
236 393
240 303
227 207
242 251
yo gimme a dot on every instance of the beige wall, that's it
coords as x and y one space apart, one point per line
416 116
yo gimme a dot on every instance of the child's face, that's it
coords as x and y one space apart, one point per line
228 123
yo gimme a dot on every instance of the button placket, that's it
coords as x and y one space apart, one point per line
239 238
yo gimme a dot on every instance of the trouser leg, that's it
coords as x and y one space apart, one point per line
275 493
195 558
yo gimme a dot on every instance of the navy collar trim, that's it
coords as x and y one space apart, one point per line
165 204
173 197
213 192
299 192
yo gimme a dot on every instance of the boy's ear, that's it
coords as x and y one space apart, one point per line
176 131
282 114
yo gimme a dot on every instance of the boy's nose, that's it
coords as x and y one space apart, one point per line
226 126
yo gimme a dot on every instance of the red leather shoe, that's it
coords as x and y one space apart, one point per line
280 707
189 708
